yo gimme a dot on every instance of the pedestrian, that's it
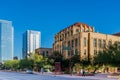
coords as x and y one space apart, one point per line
42 70
83 72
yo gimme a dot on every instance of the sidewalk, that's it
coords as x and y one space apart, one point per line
89 77
97 76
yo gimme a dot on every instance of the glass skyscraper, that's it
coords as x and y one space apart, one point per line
31 41
6 40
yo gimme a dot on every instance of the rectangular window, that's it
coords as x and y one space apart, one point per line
109 43
68 43
95 52
84 51
99 43
62 37
77 30
46 53
69 54
76 51
68 34
72 43
104 44
65 35
95 43
76 42
43 53
84 30
84 41
71 32
72 52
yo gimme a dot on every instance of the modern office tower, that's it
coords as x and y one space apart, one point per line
6 40
31 41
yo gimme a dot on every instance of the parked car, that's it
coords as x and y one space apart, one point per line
29 71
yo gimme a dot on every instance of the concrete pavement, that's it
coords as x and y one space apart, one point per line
96 77
49 76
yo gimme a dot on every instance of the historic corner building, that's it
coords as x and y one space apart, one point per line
82 40
6 40
45 52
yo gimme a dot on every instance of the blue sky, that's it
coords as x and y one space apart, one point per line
50 16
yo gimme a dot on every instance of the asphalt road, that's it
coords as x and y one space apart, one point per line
23 76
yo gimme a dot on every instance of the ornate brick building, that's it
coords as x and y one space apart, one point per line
82 40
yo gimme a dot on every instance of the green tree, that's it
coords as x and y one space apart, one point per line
37 57
77 68
26 64
115 51
56 56
11 64
50 61
8 64
103 58
65 64
110 55
15 64
74 59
